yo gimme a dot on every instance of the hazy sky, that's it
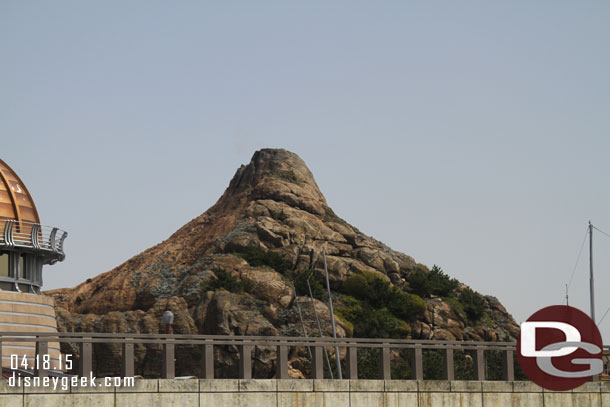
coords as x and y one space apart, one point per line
472 135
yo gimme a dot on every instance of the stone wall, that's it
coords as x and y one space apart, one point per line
293 393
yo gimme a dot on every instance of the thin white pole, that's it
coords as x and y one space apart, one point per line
591 280
332 317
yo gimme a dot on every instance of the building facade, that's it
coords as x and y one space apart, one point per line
25 247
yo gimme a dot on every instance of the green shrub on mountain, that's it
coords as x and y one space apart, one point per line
256 257
433 282
371 322
300 278
376 308
226 281
378 293
473 304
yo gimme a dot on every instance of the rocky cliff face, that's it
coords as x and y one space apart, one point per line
200 273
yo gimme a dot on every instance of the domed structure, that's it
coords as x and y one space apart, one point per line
15 201
25 246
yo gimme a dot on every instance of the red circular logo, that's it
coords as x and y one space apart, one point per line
560 348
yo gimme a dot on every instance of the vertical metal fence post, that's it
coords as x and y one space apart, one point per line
509 366
86 358
207 368
0 353
127 365
245 362
352 362
384 363
167 361
417 364
448 370
42 348
317 368
281 367
478 364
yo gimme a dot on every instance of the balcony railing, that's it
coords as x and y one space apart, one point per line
49 240
246 344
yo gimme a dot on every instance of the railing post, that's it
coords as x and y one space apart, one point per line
281 367
34 236
317 368
245 362
207 368
167 361
478 364
448 370
127 365
8 233
0 353
61 242
417 363
509 366
86 358
42 348
384 363
53 239
352 362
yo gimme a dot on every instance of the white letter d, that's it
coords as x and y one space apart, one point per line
528 338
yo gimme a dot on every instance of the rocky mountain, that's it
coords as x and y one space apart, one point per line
230 271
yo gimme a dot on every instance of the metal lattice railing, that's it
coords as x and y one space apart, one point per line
246 345
31 235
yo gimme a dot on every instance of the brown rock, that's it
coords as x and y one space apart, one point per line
443 335
272 203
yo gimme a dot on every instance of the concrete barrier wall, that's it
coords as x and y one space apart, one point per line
315 393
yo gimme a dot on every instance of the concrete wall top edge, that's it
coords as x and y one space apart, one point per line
307 386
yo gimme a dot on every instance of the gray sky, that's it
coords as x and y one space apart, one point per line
474 136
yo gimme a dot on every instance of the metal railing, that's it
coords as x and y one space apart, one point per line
33 236
246 344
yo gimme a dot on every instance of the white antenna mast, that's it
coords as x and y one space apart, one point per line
591 280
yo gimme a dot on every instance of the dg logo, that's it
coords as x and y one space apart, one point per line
560 348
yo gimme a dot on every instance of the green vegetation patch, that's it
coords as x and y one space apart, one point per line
376 308
369 322
257 257
300 277
468 302
378 293
226 281
473 304
433 282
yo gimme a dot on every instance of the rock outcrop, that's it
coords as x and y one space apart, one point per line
273 203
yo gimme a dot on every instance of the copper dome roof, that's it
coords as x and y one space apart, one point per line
15 200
